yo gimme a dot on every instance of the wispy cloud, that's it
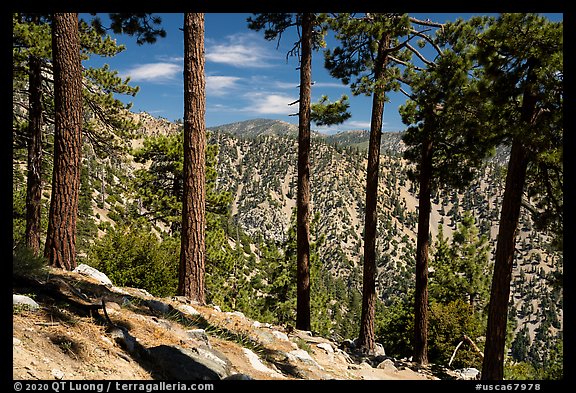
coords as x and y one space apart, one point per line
346 126
357 125
296 84
221 85
270 103
160 72
240 50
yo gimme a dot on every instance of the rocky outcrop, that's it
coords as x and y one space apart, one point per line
175 339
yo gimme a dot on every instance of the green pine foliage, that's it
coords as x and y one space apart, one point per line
449 322
136 257
461 269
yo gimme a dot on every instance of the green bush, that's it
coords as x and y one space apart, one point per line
25 263
447 325
136 257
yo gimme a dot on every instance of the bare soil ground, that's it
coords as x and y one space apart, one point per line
59 342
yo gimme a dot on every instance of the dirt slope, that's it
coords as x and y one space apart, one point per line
61 340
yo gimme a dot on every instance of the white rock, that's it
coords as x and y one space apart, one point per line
21 300
187 309
256 363
387 364
119 290
58 374
303 356
280 335
236 313
326 346
379 350
94 273
16 341
469 373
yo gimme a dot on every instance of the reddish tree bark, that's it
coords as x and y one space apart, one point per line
60 248
193 247
366 338
494 350
303 194
422 245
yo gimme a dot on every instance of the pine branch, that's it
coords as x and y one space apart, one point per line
427 38
405 63
420 56
426 22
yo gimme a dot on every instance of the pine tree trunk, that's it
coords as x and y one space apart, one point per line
422 245
60 248
193 248
34 179
494 351
303 194
366 338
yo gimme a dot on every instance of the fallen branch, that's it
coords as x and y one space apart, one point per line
454 353
467 339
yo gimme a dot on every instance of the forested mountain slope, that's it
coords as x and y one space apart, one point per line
249 259
259 169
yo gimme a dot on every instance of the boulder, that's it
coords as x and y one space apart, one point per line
178 363
280 335
199 335
256 363
25 301
189 310
157 305
94 273
387 364
303 356
468 374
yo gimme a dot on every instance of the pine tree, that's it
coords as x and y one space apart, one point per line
461 269
444 139
32 44
371 50
60 249
193 246
311 37
108 117
524 81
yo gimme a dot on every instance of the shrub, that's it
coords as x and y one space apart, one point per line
136 257
25 263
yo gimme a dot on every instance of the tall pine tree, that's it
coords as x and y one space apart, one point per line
60 249
371 48
311 36
193 245
444 140
524 82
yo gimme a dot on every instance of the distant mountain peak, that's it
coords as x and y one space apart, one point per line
257 127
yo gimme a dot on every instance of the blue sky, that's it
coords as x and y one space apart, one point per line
247 77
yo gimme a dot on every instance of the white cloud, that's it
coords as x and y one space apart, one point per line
346 126
287 85
271 104
240 50
220 85
329 84
154 72
357 125
296 84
